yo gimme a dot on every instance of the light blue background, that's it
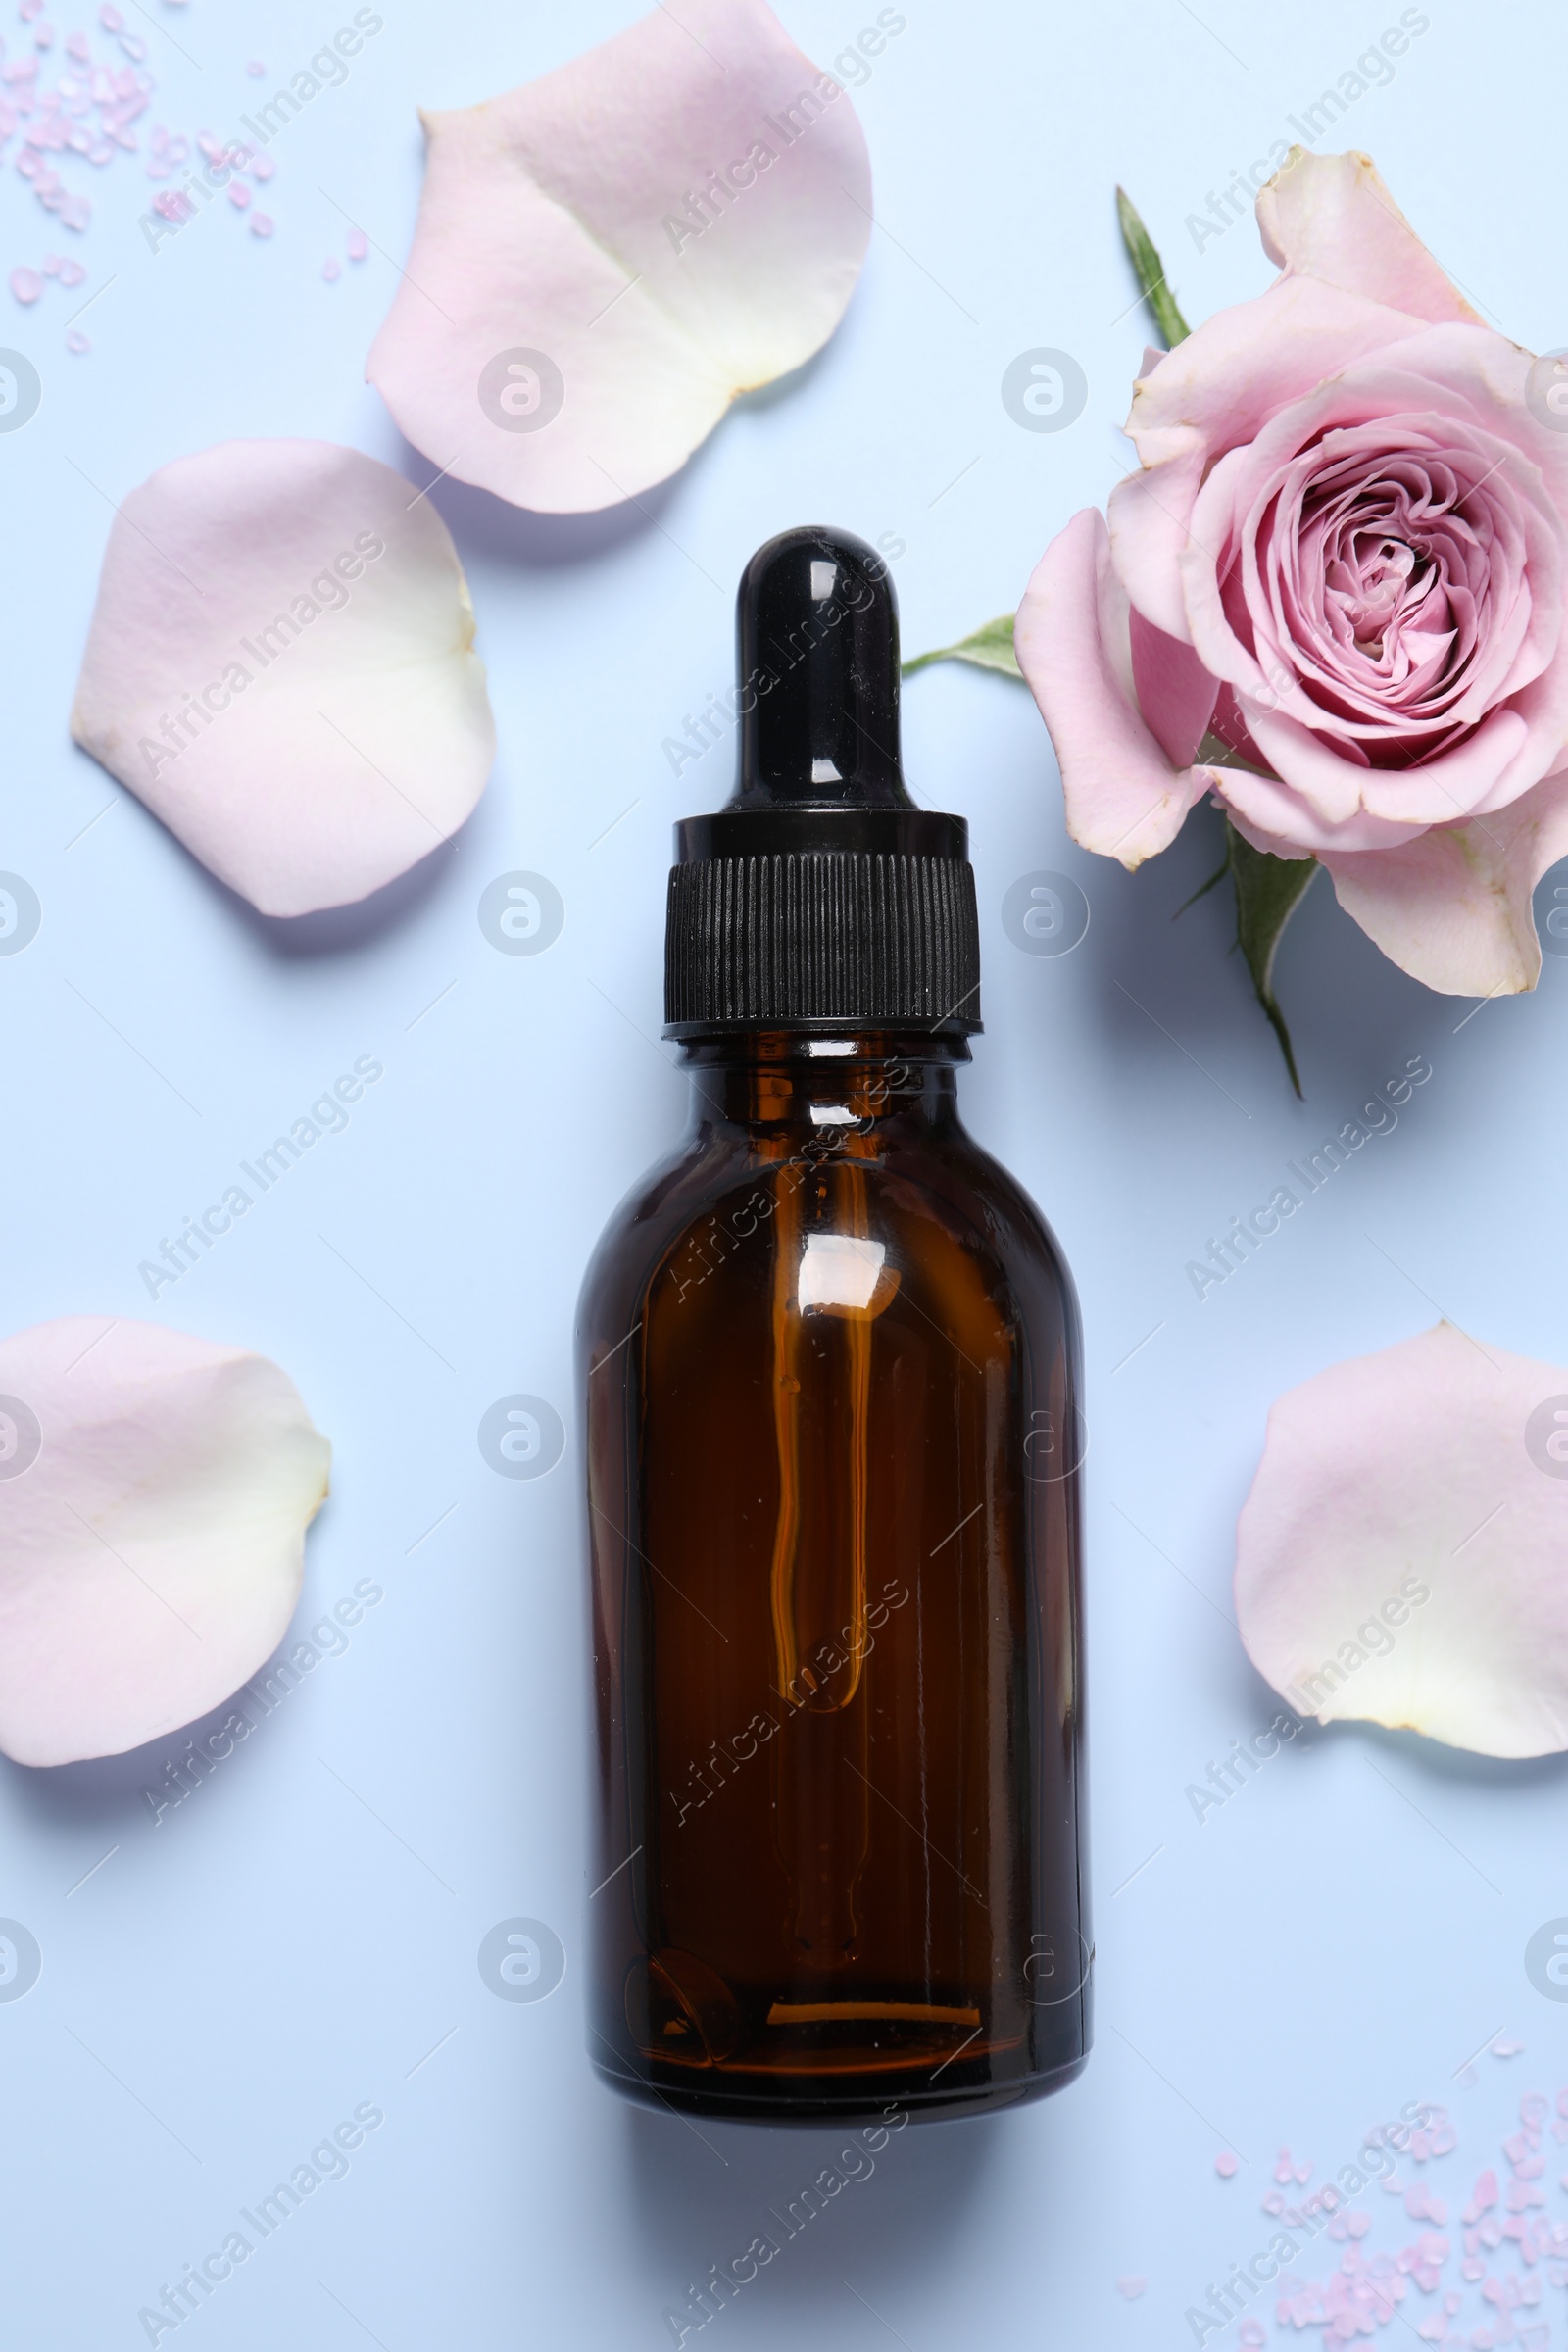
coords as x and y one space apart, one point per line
229 1985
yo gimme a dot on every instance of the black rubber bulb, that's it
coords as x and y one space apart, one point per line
817 626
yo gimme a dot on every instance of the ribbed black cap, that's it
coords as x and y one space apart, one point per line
819 894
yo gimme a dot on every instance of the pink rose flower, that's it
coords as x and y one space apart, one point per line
1340 572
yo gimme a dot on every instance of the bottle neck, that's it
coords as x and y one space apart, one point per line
856 1081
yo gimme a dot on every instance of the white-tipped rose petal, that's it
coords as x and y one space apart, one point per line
607 257
154 1495
1403 1556
281 665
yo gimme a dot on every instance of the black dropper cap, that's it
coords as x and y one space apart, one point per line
820 895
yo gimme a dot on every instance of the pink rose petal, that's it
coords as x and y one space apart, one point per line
677 217
151 1548
1399 1559
1330 216
281 667
1073 642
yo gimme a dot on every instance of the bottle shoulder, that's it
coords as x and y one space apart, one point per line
936 1202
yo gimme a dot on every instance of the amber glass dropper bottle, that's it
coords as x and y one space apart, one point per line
830 1361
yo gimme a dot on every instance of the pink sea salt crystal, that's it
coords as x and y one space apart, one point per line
263 167
1504 2047
71 273
1283 2171
254 68
1273 2202
76 341
44 37
111 19
1250 2335
26 285
1131 2286
77 47
75 213
359 246
331 268
51 264
261 224
1533 2110
1483 2198
1224 2162
240 194
134 46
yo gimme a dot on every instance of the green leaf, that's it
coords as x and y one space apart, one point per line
989 647
1144 257
1268 891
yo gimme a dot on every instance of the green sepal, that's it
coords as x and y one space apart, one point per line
1268 891
1144 255
990 647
